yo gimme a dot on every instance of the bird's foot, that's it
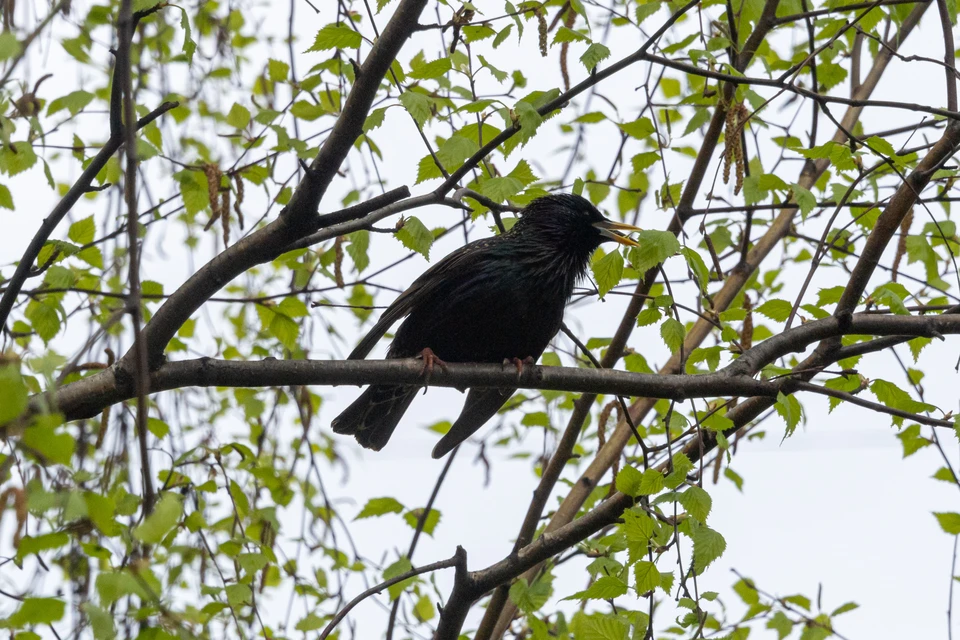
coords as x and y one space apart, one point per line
518 363
430 360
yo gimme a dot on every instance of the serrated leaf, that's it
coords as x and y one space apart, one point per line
655 247
629 480
376 507
594 54
696 502
776 309
788 408
608 271
335 36
647 576
417 105
416 237
604 588
949 522
708 545
673 333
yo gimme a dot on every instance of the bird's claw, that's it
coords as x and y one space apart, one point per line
430 360
518 363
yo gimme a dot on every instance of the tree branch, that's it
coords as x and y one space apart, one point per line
300 214
427 568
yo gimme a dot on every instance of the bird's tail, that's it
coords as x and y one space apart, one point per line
481 405
375 414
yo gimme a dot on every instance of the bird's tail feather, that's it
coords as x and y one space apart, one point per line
480 406
373 416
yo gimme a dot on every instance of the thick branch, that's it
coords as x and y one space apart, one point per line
301 212
89 396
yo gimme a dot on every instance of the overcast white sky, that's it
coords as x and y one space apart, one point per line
835 505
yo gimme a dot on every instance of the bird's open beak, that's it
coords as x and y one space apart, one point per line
611 230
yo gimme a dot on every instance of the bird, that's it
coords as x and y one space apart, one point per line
495 300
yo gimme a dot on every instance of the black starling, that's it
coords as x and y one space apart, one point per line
493 300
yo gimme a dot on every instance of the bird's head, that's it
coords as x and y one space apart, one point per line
569 223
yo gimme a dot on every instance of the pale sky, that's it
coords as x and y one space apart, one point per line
835 505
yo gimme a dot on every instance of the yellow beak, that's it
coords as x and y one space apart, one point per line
611 230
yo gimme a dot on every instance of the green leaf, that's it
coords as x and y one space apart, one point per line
430 70
13 393
17 157
651 483
804 198
594 54
335 36
412 518
424 609
277 70
673 333
697 502
647 576
655 247
417 105
776 309
949 522
416 237
9 46
311 622
629 480
306 110
643 161
893 396
499 189
189 46
608 271
637 525
640 128
708 545
523 173
379 506
844 608
912 441
398 568
601 627
788 408
165 516
239 116
565 34
530 598
6 199
238 594
55 447
73 102
604 588
34 545
82 231
100 621
37 611
112 586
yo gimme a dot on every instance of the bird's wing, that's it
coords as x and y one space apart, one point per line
480 406
423 288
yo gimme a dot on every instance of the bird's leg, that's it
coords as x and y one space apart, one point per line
518 363
430 360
